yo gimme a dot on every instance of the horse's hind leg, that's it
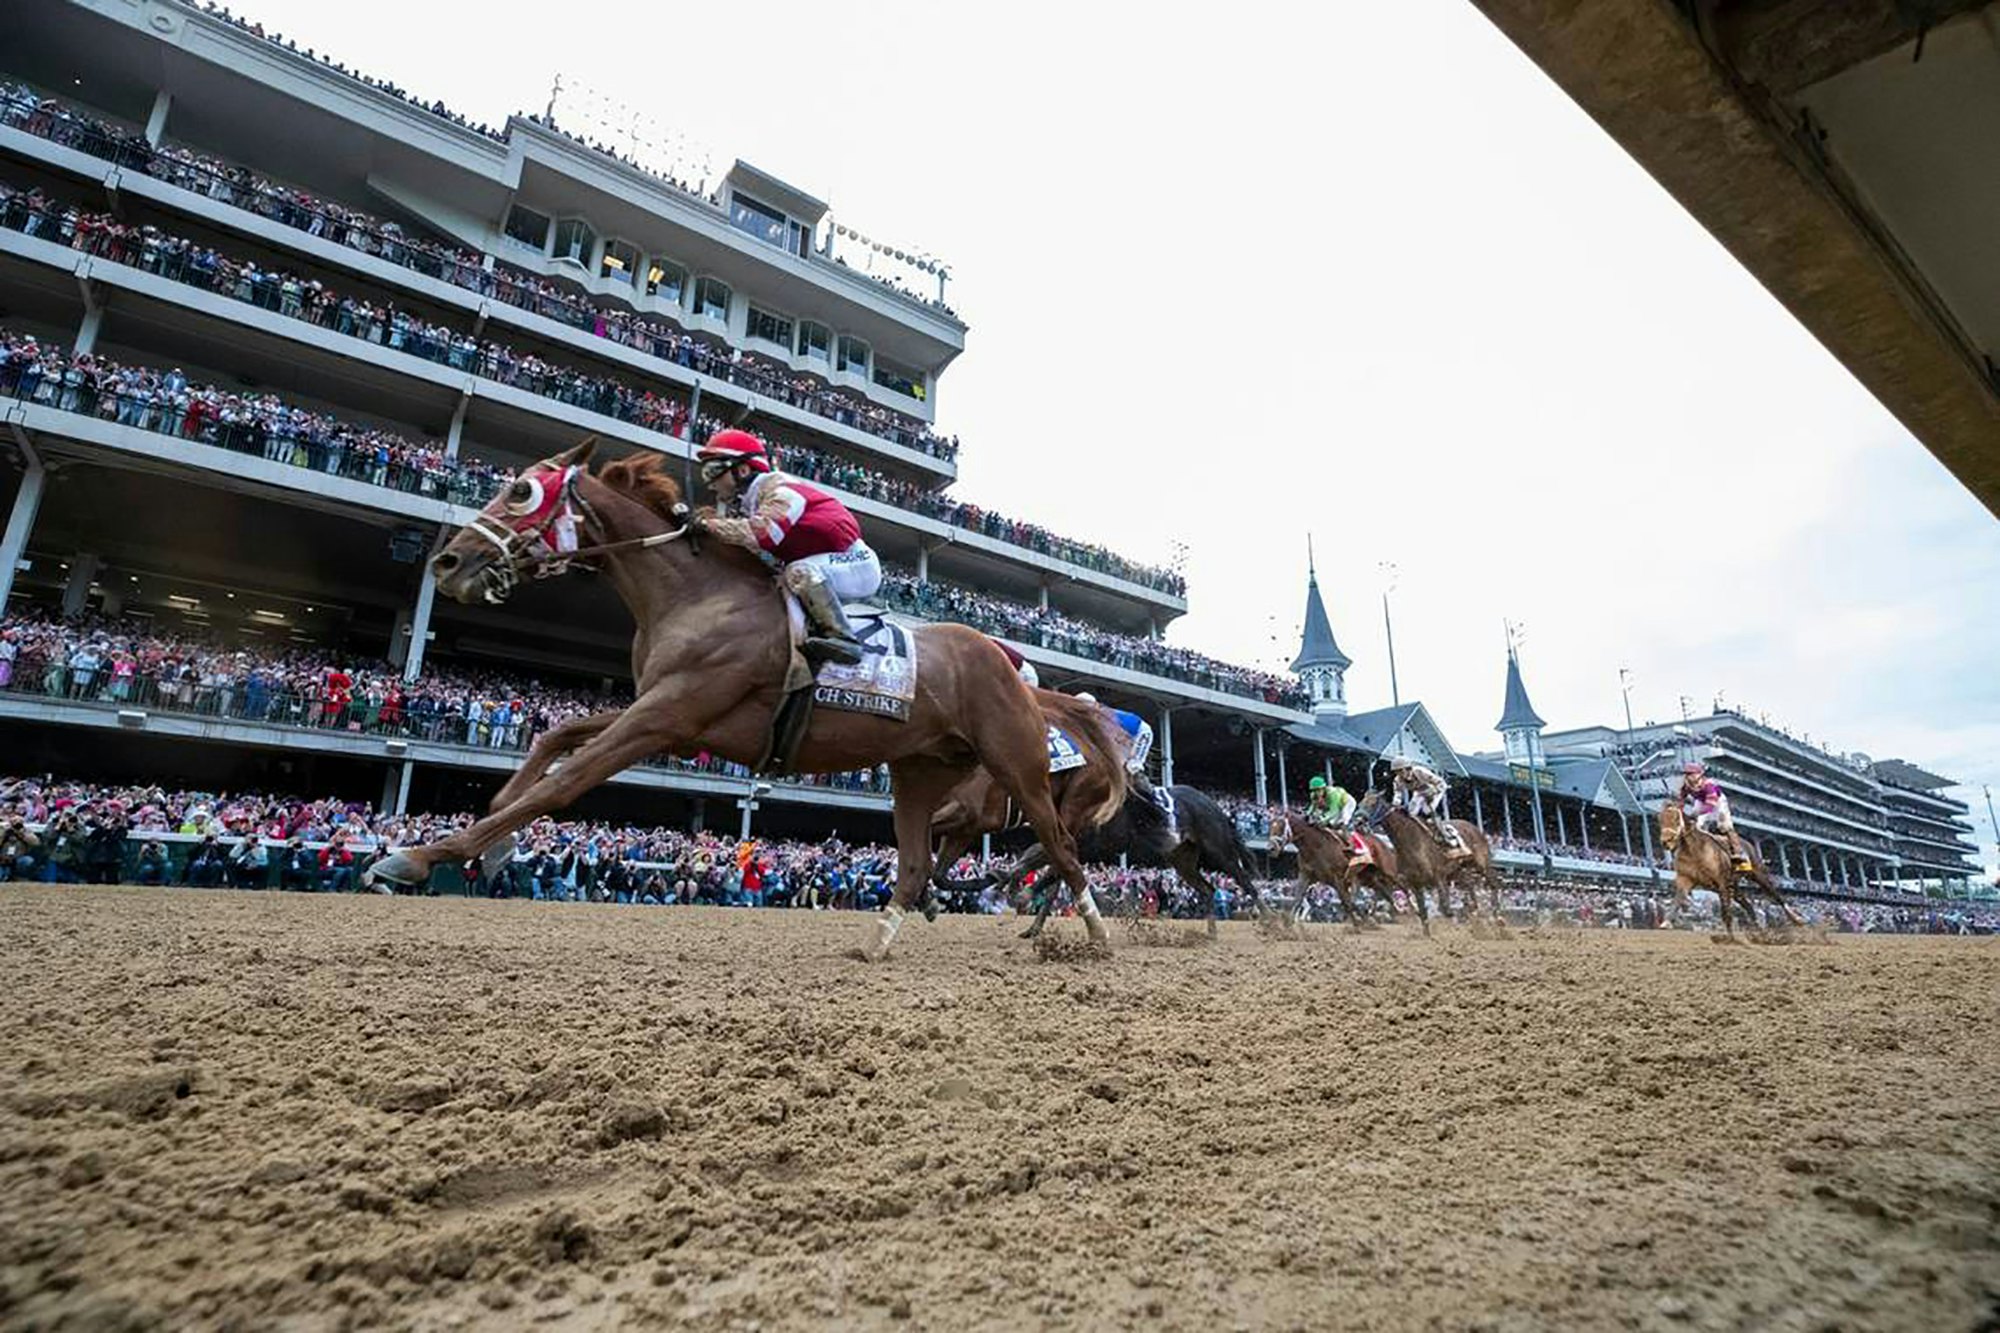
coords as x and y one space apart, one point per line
1017 757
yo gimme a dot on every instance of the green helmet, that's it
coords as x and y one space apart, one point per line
1317 784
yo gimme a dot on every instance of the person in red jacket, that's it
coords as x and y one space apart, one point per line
812 535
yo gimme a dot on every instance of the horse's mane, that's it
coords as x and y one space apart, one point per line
643 477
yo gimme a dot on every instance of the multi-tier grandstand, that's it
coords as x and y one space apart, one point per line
271 330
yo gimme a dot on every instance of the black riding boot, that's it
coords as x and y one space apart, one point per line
829 638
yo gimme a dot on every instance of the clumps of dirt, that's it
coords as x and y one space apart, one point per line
1484 928
1150 934
1280 926
1064 948
1782 935
147 1096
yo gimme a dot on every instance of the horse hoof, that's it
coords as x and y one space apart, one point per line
397 868
495 858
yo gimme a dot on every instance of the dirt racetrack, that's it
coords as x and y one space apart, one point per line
268 1110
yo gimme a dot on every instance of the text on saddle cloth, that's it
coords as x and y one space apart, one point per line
1064 753
883 683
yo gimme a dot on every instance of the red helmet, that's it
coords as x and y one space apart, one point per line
735 446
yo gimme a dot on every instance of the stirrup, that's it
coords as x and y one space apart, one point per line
820 649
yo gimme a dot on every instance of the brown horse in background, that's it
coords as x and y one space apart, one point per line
711 660
1423 863
1085 797
1702 860
1324 858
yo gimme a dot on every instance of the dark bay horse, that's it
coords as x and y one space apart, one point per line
1423 863
711 655
1702 860
1206 840
1324 858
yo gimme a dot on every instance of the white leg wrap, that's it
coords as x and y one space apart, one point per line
886 926
1086 903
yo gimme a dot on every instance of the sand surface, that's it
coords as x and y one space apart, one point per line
262 1110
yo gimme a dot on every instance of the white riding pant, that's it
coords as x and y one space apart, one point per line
854 574
1142 746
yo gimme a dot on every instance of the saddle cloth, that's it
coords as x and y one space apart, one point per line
1064 753
883 683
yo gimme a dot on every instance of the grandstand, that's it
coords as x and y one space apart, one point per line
263 383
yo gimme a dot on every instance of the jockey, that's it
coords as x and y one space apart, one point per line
1138 746
1022 666
810 533
1700 797
1420 792
1332 808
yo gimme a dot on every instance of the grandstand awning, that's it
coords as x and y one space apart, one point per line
1845 154
1385 732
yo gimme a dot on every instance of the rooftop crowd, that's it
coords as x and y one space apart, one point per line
178 259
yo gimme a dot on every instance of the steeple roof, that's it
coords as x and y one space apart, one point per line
1517 712
1316 647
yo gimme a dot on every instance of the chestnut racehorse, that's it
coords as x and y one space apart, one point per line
1324 858
1422 863
710 660
1701 860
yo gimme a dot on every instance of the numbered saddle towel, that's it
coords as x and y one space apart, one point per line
1064 753
884 682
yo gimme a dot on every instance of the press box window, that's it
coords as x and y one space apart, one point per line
767 224
665 279
575 240
903 380
853 356
816 342
771 328
527 228
711 298
620 262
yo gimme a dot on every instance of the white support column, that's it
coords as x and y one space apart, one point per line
1284 783
923 562
1583 822
1478 810
456 433
1263 783
420 628
396 787
1784 859
21 521
93 323
156 122
1625 827
83 568
1043 595
1167 747
1562 828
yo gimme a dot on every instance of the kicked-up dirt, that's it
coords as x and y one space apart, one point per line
260 1110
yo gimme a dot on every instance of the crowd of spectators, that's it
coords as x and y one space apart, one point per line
300 209
129 663
66 831
177 259
258 424
1051 629
1568 851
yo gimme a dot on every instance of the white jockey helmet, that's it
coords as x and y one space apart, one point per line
1401 762
1086 696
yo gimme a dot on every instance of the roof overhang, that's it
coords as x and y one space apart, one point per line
1847 154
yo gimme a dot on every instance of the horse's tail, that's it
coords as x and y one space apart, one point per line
1102 743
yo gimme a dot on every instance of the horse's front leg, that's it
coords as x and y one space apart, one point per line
645 728
550 746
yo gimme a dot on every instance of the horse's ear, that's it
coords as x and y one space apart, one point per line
580 455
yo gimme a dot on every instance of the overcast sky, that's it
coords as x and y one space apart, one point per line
1236 274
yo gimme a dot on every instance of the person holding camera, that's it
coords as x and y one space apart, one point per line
336 865
154 868
206 864
249 863
298 868
64 840
19 847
